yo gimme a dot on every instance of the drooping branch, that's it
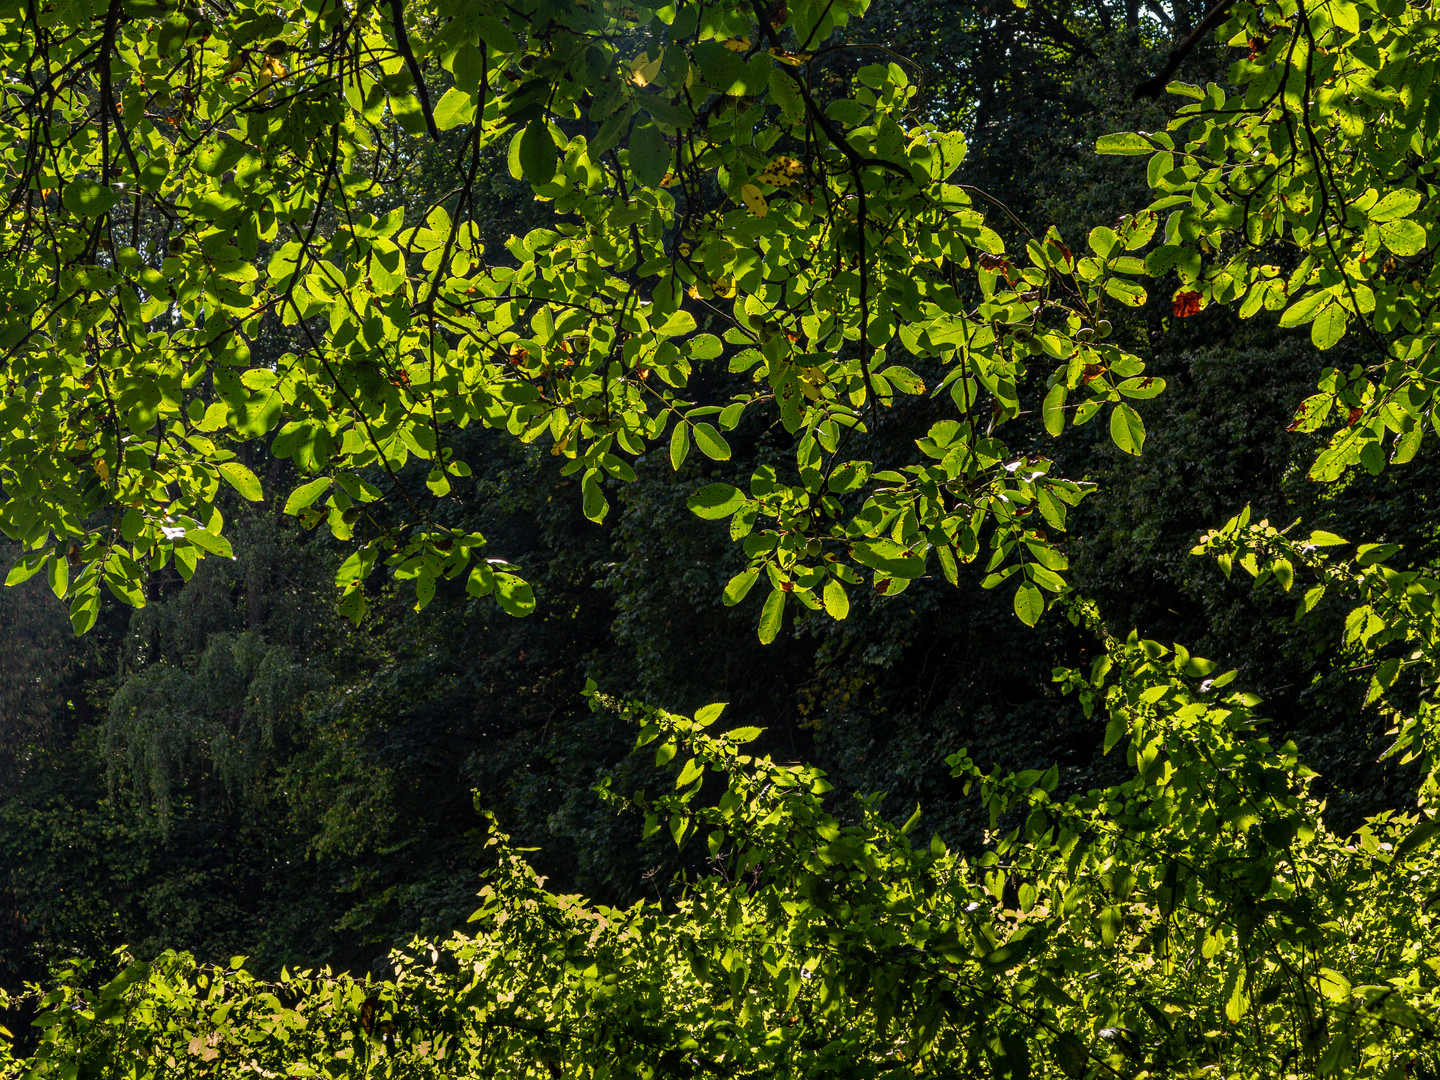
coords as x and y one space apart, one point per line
402 42
1154 87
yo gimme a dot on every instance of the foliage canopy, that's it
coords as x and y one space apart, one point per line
200 254
211 261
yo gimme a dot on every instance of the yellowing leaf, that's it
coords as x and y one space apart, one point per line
1345 16
789 58
739 44
102 470
781 171
754 200
643 70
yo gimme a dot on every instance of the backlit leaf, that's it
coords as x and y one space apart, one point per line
1127 430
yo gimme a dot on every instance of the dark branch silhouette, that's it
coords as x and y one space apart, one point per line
1154 87
402 42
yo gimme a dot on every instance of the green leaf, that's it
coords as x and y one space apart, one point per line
1127 429
903 379
705 347
495 33
837 603
352 605
947 151
593 502
424 590
1345 15
649 155
679 444
1185 90
1407 445
1398 204
708 714
889 558
1370 554
208 541
386 267
1141 387
481 581
1127 292
1234 991
356 568
771 616
1124 143
676 324
84 610
219 158
1045 578
691 771
86 198
1421 837
456 107
716 501
1403 237
711 443
743 734
787 95
1103 240
26 567
538 153
617 467
740 585
1054 410
1304 309
1328 326
1333 985
242 480
1336 1059
1162 259
438 483
58 571
1009 1057
1112 921
1029 603
306 494
514 595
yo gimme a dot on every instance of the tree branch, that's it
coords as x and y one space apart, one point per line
1153 88
1058 31
402 42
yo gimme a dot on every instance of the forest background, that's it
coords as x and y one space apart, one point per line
236 769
